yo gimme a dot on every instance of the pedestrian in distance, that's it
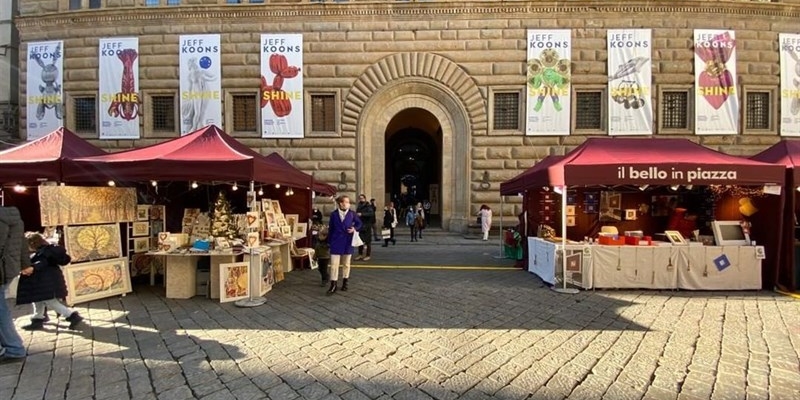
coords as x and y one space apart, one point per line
366 213
344 223
411 222
389 222
485 214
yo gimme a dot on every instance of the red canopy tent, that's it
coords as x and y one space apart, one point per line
519 183
628 161
319 187
42 159
787 154
208 154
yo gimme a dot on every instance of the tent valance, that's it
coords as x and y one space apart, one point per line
519 183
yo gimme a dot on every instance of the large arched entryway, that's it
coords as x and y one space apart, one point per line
413 161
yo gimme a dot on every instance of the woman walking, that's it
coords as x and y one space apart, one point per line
486 220
344 223
43 282
366 213
389 222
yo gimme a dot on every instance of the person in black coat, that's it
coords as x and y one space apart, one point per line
42 284
13 258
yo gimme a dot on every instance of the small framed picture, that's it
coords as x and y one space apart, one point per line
286 230
142 212
630 214
141 245
301 230
291 219
675 237
141 229
570 210
276 206
266 205
760 254
570 220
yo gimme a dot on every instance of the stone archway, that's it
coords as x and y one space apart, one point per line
417 80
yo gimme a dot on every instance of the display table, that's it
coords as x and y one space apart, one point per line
181 272
648 267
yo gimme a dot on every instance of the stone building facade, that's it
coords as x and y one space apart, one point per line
445 79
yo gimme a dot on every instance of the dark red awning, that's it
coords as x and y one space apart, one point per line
786 153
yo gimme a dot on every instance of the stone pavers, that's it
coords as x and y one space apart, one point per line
420 334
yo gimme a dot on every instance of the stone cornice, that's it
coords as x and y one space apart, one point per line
343 11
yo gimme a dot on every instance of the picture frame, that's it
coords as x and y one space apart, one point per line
141 245
234 281
140 229
292 219
630 214
267 275
253 220
266 205
570 220
83 284
276 207
221 243
286 231
142 212
93 242
729 233
253 239
675 237
570 210
300 230
157 212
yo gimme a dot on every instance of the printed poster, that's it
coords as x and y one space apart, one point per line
790 84
630 106
282 86
44 91
717 98
201 82
548 106
120 104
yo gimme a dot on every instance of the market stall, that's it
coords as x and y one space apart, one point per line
785 241
627 205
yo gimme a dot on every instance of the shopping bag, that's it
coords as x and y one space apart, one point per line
386 233
357 242
11 288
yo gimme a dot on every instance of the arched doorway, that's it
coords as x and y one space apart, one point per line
413 168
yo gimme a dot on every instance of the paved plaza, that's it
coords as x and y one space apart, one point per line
414 333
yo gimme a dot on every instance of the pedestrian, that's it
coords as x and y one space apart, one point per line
389 222
486 220
420 219
366 213
344 223
13 258
375 231
42 283
411 222
322 254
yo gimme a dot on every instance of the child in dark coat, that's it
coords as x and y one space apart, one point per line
322 254
42 284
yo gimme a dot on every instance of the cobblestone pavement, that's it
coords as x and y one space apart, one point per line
419 334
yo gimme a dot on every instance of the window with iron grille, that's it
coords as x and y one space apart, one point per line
245 118
323 112
163 113
151 3
589 110
757 114
173 2
675 109
506 111
85 111
95 3
75 4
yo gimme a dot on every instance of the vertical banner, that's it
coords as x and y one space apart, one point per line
790 84
549 57
282 86
717 97
630 108
201 82
120 104
44 92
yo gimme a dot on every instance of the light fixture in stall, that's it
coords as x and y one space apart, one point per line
558 190
154 183
277 186
112 183
289 192
20 188
194 185
261 191
674 187
643 187
689 187
235 187
798 189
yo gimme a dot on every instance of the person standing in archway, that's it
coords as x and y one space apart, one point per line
389 222
486 220
344 223
366 213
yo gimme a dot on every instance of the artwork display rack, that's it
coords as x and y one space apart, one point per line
156 222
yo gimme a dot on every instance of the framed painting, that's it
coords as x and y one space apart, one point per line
276 207
292 219
142 212
140 229
141 245
286 231
675 237
97 280
253 221
267 276
234 281
93 242
78 205
266 205
157 212
300 230
253 239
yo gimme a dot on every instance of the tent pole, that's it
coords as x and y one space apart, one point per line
253 191
502 204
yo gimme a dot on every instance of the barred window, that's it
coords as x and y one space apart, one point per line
245 118
323 112
75 4
589 110
758 110
151 3
163 113
173 2
506 110
95 3
85 114
675 110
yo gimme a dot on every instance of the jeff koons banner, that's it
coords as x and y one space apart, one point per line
790 84
281 94
120 104
549 57
201 82
44 90
630 108
717 98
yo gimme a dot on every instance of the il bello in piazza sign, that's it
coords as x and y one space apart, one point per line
639 174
